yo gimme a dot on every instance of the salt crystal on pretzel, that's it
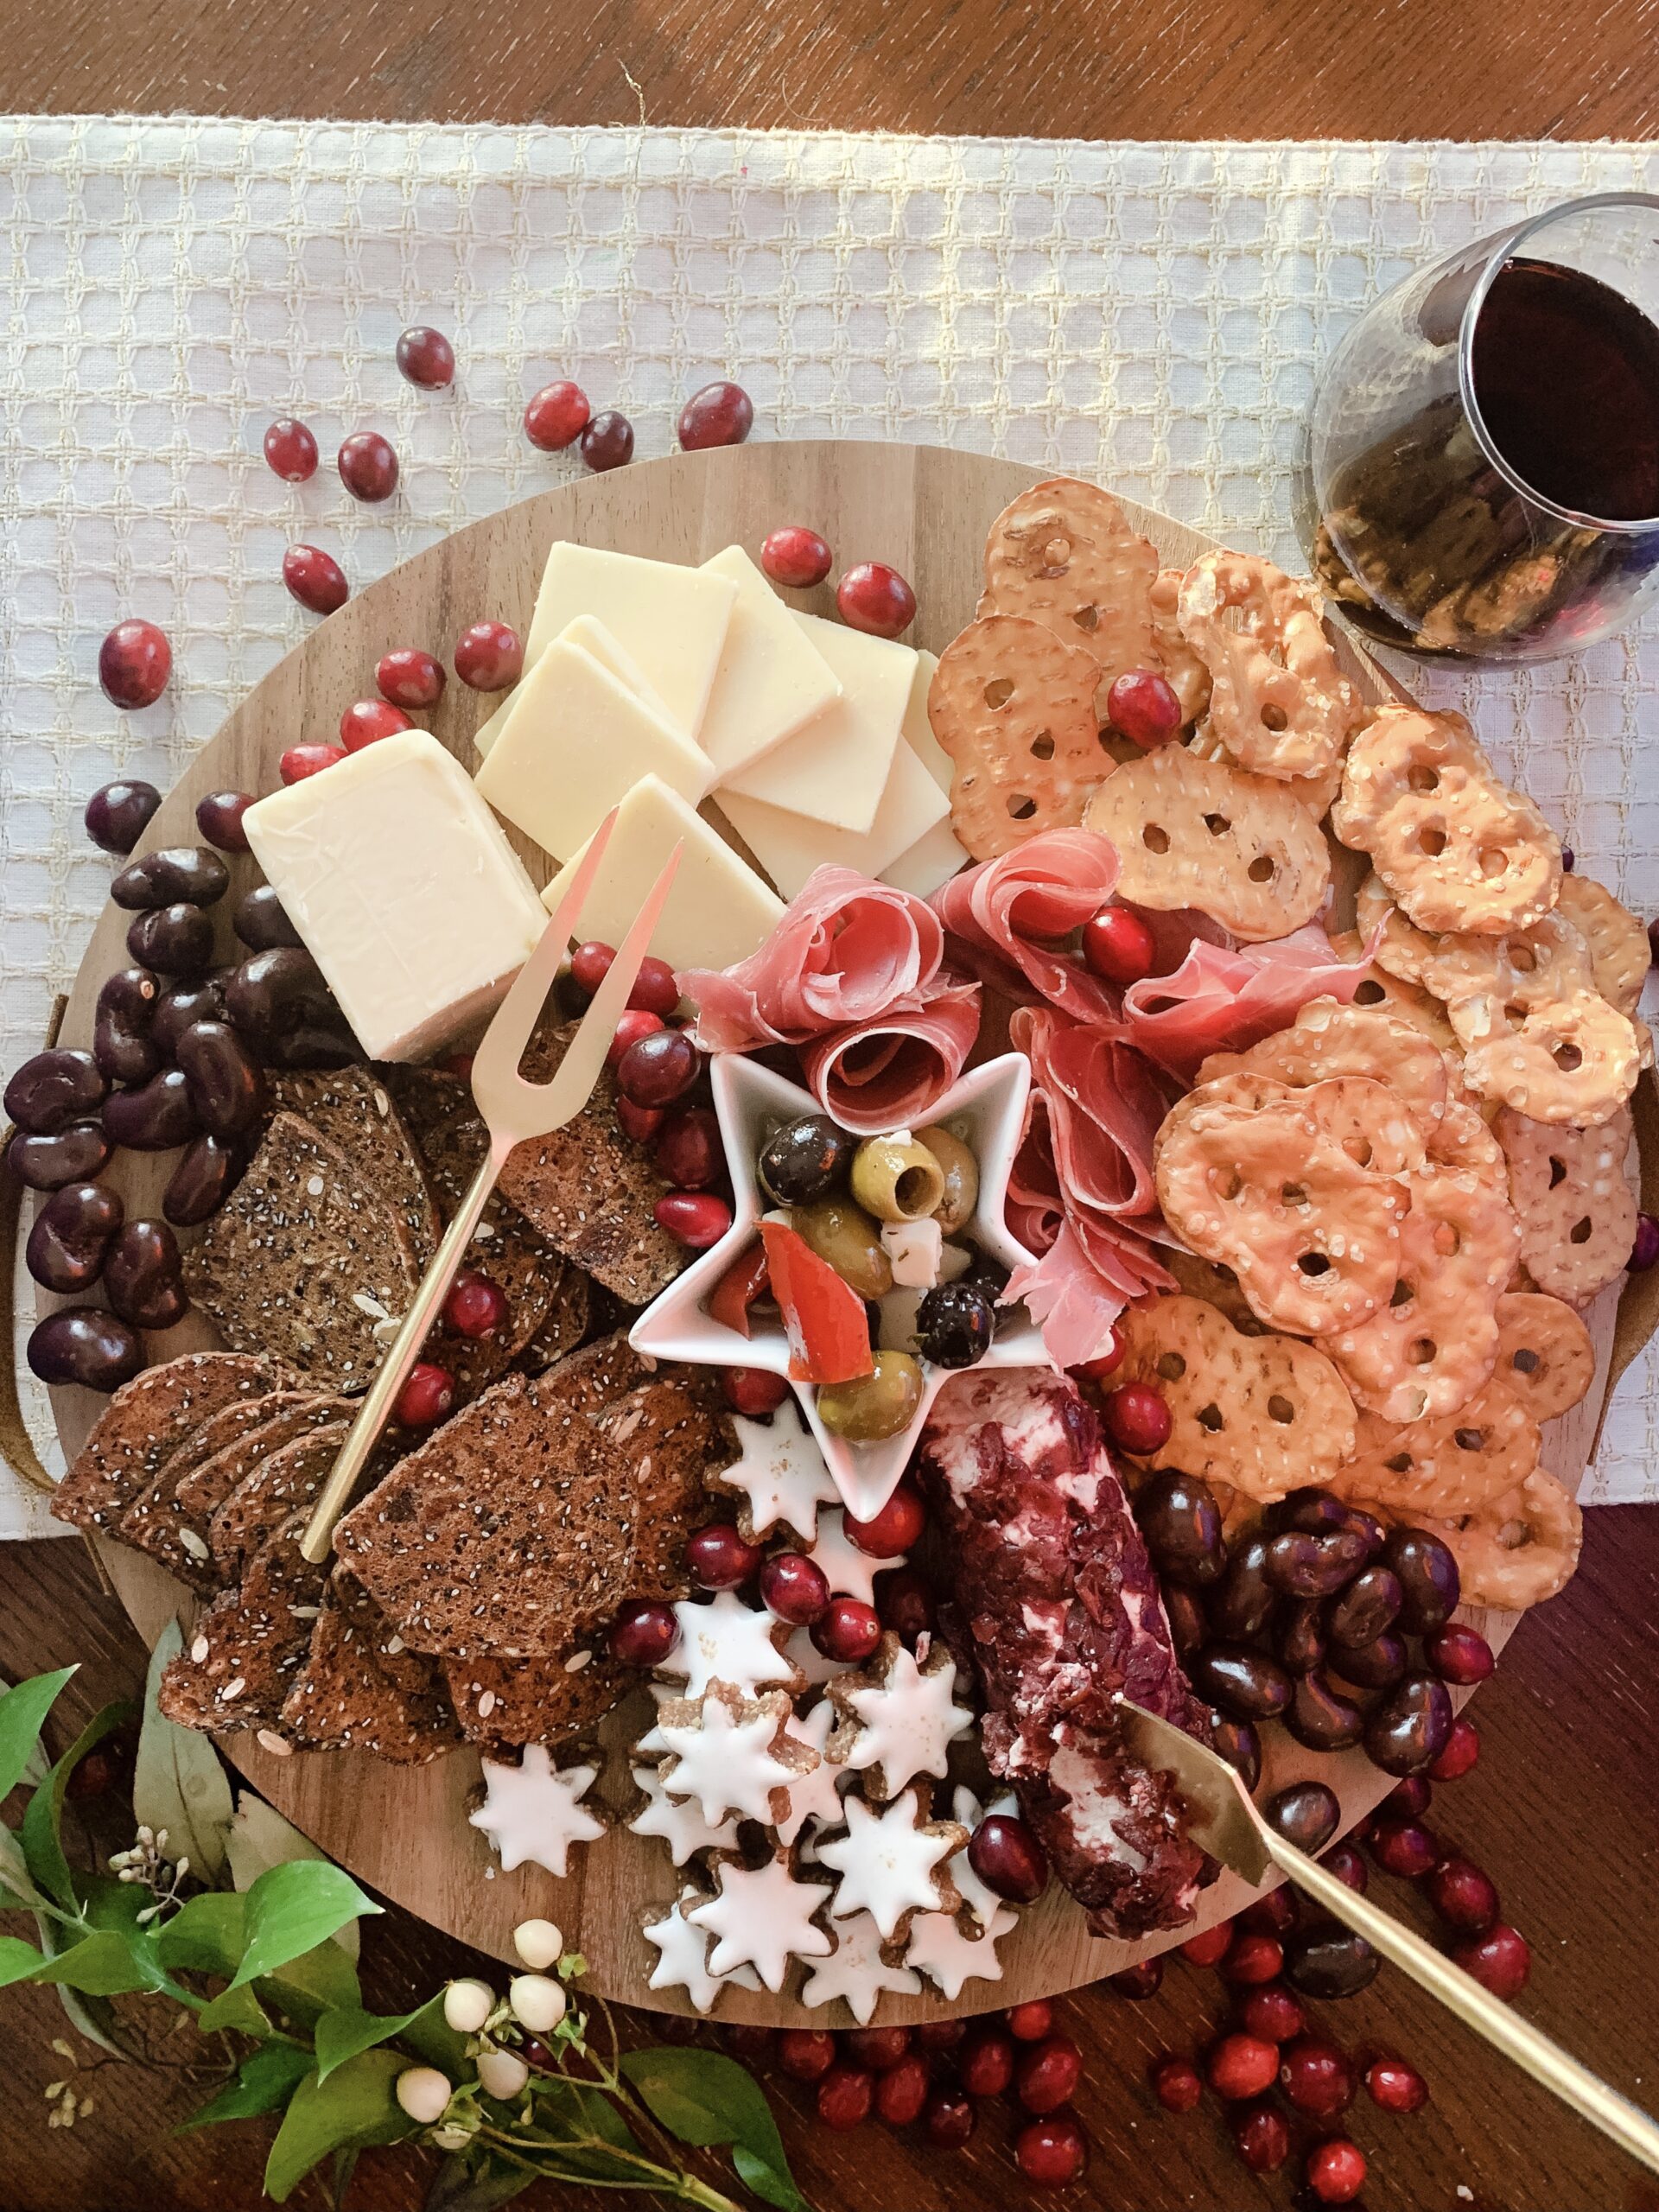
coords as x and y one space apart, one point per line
1458 849
1184 673
1328 1039
1620 953
1545 1357
1014 706
1278 701
1202 834
1391 994
1065 555
1573 1200
1447 1466
1519 1548
1572 1061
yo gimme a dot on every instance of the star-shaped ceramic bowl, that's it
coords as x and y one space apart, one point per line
986 1110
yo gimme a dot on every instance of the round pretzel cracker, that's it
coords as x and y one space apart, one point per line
1574 1061
1185 674
1263 1415
1620 954
1458 849
1014 706
1316 793
1380 991
1446 1467
1365 1117
1573 1200
1065 555
1545 1356
1520 1548
1206 834
1278 701
1461 1141
1328 1040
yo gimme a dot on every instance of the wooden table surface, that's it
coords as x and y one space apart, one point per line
1564 1807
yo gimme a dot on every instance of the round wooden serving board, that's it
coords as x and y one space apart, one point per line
403 1830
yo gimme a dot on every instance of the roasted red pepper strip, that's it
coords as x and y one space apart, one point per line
743 1283
829 1330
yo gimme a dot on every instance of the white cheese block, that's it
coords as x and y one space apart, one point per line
772 679
718 910
403 888
835 770
931 860
670 621
575 744
919 731
789 846
594 637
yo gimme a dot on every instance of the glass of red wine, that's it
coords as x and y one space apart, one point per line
1483 461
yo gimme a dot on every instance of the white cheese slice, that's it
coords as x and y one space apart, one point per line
575 744
931 860
718 910
585 631
403 888
772 679
919 731
789 846
835 770
670 621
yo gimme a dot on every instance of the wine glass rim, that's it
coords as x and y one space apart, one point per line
1508 245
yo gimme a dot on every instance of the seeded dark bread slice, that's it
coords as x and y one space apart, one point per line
205 1489
301 1260
352 1108
360 1688
247 1647
501 1703
146 1420
672 1439
170 1520
591 1190
569 1317
281 1483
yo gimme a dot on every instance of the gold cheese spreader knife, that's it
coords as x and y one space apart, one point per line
514 1110
1222 1819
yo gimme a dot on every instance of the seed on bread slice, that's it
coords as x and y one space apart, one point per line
170 1520
239 1664
145 1422
505 1702
360 1688
352 1108
280 1484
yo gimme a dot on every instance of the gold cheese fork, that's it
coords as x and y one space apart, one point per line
514 1111
1222 1819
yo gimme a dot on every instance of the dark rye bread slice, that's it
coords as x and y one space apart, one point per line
569 1317
241 1660
502 1703
145 1422
205 1489
360 1688
283 1481
170 1522
353 1109
672 1439
301 1261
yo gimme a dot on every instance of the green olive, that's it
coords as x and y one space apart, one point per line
961 1178
896 1178
843 1234
876 1404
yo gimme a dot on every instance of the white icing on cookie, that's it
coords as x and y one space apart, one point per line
724 1640
677 1820
533 1813
725 1758
907 1721
851 1572
856 1971
806 1656
888 1862
781 1473
762 1918
949 1958
683 1960
815 1795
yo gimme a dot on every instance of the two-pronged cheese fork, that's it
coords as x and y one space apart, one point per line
514 1111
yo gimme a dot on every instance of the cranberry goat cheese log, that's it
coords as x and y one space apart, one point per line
1058 1609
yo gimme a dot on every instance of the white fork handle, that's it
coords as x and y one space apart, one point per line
393 1372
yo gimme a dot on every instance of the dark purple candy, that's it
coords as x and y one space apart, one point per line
71 1155
1306 1814
1188 1628
172 875
153 1118
1325 1959
1244 1683
227 1091
1645 1248
1300 1637
219 818
85 1344
1305 1566
185 1004
1408 1731
1371 1603
1238 1742
121 1044
1320 1717
175 940
281 1004
142 1276
208 1172
1181 1522
1240 1605
119 814
1374 1666
70 1236
53 1089
261 921
1429 1581
1317 1512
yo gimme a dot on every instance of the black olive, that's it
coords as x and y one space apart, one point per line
805 1160
1306 1814
955 1324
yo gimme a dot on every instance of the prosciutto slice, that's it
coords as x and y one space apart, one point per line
891 1072
1059 880
1221 999
847 951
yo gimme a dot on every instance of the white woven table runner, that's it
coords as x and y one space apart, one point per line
1150 314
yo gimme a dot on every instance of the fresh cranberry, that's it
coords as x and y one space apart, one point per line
877 2047
796 556
1118 946
1253 1957
94 1776
950 2118
427 358
986 2064
1047 2074
1645 1248
940 2035
1408 1800
1459 1654
290 450
697 1219
218 818
644 1632
590 963
1273 2011
475 1306
1105 1362
1242 2066
316 578
875 598
1210 1948
133 665
410 678
1462 1751
752 1391
846 1632
427 1397
1499 1961
1136 1418
1316 2078
489 657
1261 2136
805 2054
367 721
722 414
1404 1847
608 440
905 1604
1141 705
368 467
1052 2152
654 988
303 761
896 1530
1032 2021
794 1588
1138 1982
751 2044
639 1123
1005 1853
687 1150
631 1024
1396 2085
1270 1915
556 416
902 2092
719 1558
658 1066
1346 1864
1176 2085
1464 1896
1336 2171
845 2095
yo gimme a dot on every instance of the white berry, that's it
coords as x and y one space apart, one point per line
536 2002
423 2093
501 2073
468 2005
539 1943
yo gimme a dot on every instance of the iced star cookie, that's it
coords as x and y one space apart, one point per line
677 1820
732 1756
780 1476
533 1812
892 1861
856 1972
943 1945
849 1572
723 1640
682 1956
816 1796
763 1918
898 1718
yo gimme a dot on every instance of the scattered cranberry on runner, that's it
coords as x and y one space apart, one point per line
290 450
489 657
1395 2085
806 2054
608 440
556 416
134 663
1177 2084
796 557
1336 2171
875 598
721 414
410 678
316 579
426 357
368 467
